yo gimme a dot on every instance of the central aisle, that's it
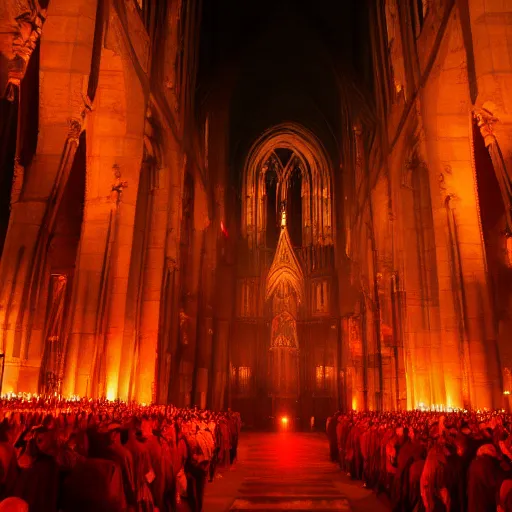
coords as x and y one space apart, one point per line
286 471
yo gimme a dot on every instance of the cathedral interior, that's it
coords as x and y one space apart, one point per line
281 207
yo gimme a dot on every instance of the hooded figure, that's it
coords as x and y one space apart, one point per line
485 477
38 481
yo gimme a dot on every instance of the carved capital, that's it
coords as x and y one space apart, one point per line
74 130
29 28
486 120
77 123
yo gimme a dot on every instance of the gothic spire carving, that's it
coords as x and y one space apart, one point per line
285 268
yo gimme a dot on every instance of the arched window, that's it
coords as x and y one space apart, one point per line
287 167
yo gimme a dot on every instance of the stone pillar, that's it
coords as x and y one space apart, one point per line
223 286
187 363
463 288
147 308
188 348
115 143
205 323
220 363
498 142
222 331
61 112
89 289
120 262
168 378
491 24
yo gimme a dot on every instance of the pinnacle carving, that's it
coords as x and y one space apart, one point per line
285 268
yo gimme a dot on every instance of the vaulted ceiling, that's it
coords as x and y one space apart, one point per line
282 60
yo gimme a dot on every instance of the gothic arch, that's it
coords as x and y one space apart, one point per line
317 189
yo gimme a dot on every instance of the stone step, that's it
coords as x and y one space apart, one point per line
310 486
266 504
296 494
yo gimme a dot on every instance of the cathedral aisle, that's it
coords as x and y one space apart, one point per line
287 471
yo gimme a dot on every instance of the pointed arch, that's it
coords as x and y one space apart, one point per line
316 174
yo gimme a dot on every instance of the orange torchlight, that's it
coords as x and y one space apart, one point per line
284 420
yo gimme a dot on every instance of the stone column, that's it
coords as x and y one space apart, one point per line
114 157
205 321
220 363
120 263
490 28
89 289
463 288
223 286
187 364
150 350
169 343
190 310
61 111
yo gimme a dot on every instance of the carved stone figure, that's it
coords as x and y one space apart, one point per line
118 186
29 28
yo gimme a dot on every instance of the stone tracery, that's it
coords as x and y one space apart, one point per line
308 157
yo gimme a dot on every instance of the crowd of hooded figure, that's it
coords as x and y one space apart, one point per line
97 455
428 461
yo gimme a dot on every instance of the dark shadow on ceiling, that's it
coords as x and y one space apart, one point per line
281 60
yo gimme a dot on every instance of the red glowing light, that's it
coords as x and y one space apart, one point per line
284 420
223 229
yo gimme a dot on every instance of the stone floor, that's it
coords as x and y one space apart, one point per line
287 471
